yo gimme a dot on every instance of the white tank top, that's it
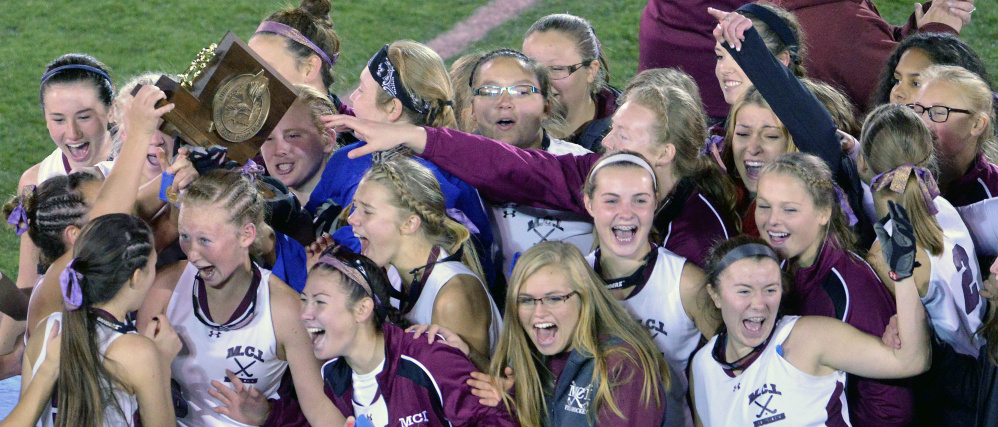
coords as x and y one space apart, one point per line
51 166
249 351
422 311
126 401
659 307
953 300
518 228
769 391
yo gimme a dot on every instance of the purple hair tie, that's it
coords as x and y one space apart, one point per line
844 203
714 147
293 34
896 180
252 169
459 216
19 217
69 281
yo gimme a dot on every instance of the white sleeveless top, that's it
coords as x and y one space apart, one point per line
770 390
659 307
53 166
422 311
249 351
518 228
953 300
126 401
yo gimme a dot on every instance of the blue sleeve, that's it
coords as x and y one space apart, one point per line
344 236
290 265
339 178
807 120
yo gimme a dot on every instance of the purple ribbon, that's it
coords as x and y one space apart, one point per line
844 203
897 181
69 281
293 34
18 217
252 169
459 216
714 146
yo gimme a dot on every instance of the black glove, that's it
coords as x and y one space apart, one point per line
327 218
899 247
205 161
286 213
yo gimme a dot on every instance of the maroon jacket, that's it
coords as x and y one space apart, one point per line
841 285
848 42
541 179
980 183
422 384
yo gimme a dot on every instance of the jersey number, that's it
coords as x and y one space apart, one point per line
971 291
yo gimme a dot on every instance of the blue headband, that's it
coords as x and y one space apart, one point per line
76 67
775 23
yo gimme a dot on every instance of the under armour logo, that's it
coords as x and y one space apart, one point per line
506 213
214 334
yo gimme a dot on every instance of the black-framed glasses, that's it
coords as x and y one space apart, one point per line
548 301
515 91
937 113
558 72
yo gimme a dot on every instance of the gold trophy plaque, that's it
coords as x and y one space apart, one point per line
228 97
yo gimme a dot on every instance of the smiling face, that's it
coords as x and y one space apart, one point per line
295 152
376 222
327 314
759 138
215 246
908 75
955 139
77 122
730 76
788 219
623 207
515 121
748 294
556 49
632 130
550 327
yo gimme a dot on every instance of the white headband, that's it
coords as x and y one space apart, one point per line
625 158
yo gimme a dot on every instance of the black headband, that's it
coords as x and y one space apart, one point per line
775 23
390 80
744 251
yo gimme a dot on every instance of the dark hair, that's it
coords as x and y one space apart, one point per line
773 41
586 43
109 251
713 271
311 19
376 278
54 205
942 49
105 90
541 73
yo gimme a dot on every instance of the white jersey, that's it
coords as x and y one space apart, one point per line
422 311
127 402
54 165
518 228
770 390
659 307
250 351
953 300
981 219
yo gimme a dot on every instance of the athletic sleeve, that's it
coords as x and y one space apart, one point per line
807 120
505 173
451 370
627 382
982 222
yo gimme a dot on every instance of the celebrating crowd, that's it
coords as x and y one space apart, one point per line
516 241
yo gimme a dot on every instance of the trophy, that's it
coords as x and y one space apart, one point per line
229 97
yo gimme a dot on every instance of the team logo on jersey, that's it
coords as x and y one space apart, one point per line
544 227
244 357
214 334
578 398
654 326
762 399
418 418
509 212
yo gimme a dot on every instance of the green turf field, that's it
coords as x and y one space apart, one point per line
137 36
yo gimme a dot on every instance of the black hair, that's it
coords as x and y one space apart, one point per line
105 90
376 277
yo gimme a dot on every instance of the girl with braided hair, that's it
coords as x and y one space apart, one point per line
399 216
375 370
803 216
244 349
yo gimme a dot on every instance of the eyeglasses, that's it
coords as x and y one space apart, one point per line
516 91
937 113
548 301
558 72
